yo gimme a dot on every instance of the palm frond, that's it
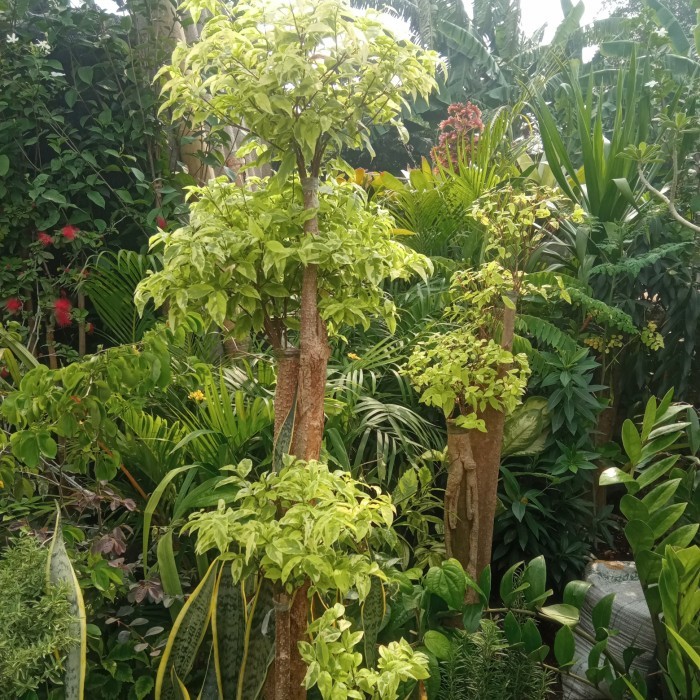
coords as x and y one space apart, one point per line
110 287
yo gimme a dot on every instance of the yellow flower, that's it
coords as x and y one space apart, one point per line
197 396
353 356
578 215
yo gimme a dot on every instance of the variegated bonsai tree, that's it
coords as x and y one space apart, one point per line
299 254
469 370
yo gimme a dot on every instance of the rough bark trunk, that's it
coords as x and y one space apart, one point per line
286 387
487 449
462 500
314 349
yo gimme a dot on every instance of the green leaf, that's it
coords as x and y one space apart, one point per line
564 614
449 582
661 520
228 625
602 611
535 574
575 593
471 617
613 475
564 646
631 441
4 165
656 471
167 568
691 653
639 535
85 73
512 629
438 644
532 640
152 504
97 198
54 196
660 495
633 509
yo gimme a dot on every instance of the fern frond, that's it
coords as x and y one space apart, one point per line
633 266
545 332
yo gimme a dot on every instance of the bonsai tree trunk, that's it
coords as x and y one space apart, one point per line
461 500
314 349
487 449
293 611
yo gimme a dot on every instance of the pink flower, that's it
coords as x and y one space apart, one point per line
61 310
44 239
13 305
69 232
162 223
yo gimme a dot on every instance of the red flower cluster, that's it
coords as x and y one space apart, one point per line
457 134
44 239
162 223
61 310
70 232
13 305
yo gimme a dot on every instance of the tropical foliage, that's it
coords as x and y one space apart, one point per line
274 425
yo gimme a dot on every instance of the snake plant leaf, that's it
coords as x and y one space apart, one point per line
260 649
179 689
228 632
373 612
186 636
59 571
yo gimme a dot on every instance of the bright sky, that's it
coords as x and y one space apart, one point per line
535 13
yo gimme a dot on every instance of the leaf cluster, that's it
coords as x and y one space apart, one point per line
305 522
36 624
300 75
244 251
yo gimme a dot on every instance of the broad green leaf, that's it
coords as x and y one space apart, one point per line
564 646
602 611
660 495
562 613
4 165
575 593
613 475
449 582
438 644
535 575
631 441
167 569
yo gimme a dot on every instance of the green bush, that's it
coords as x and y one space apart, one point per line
485 665
35 621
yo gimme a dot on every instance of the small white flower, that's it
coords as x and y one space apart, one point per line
43 46
12 38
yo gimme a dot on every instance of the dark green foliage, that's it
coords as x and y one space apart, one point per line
35 622
484 665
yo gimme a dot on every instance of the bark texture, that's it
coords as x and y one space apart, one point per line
487 448
286 387
461 500
314 349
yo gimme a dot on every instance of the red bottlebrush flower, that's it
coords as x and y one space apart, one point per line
90 328
69 232
13 305
61 310
44 239
162 223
